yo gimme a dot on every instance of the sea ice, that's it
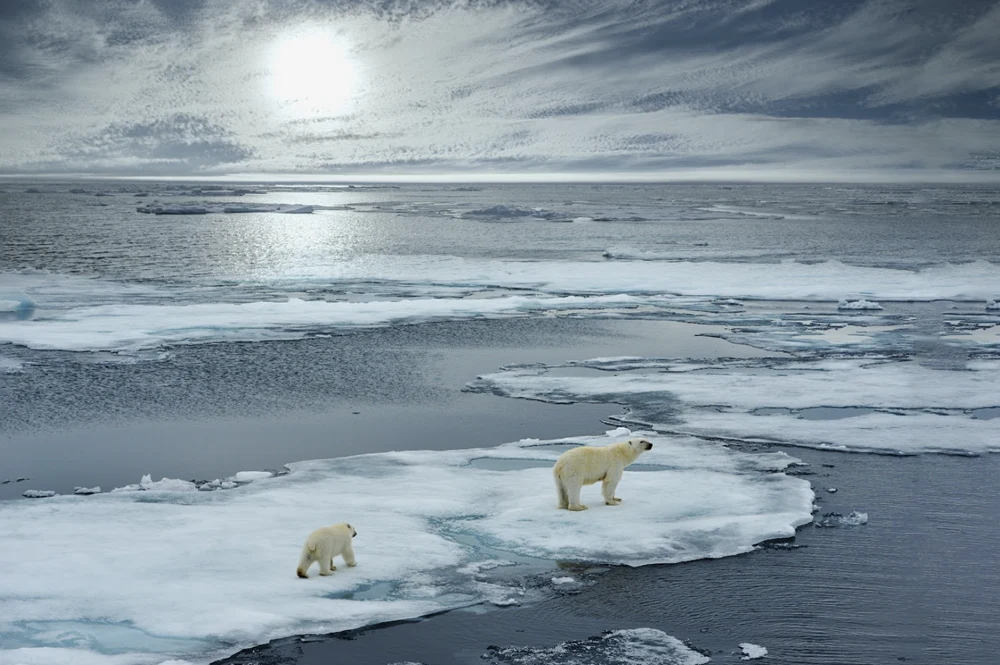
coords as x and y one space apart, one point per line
247 476
752 651
719 399
635 646
38 494
168 572
86 491
858 304
854 518
993 304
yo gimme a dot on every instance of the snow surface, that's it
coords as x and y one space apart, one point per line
859 304
635 646
752 651
186 574
917 408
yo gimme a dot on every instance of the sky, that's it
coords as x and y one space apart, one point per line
782 89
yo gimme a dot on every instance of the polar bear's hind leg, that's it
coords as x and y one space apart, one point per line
563 496
572 490
304 562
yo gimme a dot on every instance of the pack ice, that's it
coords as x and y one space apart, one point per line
152 574
847 404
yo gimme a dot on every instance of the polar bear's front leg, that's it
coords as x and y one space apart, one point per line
608 486
348 555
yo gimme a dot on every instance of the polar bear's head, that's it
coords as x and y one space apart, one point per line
353 532
640 445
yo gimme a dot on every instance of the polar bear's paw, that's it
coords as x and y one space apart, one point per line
614 501
580 507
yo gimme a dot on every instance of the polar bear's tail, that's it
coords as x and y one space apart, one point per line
305 560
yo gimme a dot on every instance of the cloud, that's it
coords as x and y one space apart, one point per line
175 86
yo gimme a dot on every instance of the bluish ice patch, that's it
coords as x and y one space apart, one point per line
834 413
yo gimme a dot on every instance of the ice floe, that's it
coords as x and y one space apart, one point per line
993 305
859 304
752 651
634 646
908 407
38 494
87 491
854 518
156 208
174 573
133 327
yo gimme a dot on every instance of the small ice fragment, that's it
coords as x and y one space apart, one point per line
86 491
5 481
854 518
37 494
21 479
247 476
858 304
752 651
563 580
227 485
831 490
993 304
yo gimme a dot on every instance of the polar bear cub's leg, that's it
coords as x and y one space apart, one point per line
608 486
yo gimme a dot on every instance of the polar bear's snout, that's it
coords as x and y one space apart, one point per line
649 446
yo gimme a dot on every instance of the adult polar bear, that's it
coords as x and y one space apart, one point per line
325 543
587 465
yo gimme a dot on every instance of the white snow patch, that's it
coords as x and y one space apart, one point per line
563 580
169 572
87 491
752 651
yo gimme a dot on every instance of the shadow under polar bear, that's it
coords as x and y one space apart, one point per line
213 569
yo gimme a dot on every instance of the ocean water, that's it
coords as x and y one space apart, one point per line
434 348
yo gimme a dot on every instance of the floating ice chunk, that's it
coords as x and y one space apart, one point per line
854 518
636 646
87 491
858 304
16 306
155 209
212 600
993 304
227 485
37 494
831 490
247 476
162 485
563 580
752 651
501 211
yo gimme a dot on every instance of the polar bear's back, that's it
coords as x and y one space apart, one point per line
589 464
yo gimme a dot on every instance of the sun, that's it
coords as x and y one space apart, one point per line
312 72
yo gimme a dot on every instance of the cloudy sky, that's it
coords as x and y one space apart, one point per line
780 87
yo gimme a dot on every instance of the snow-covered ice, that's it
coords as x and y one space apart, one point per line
634 646
186 574
87 491
38 494
752 651
993 304
859 304
911 408
247 476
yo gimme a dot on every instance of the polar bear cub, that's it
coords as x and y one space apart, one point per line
325 543
587 465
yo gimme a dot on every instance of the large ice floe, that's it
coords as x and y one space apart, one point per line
153 574
844 404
